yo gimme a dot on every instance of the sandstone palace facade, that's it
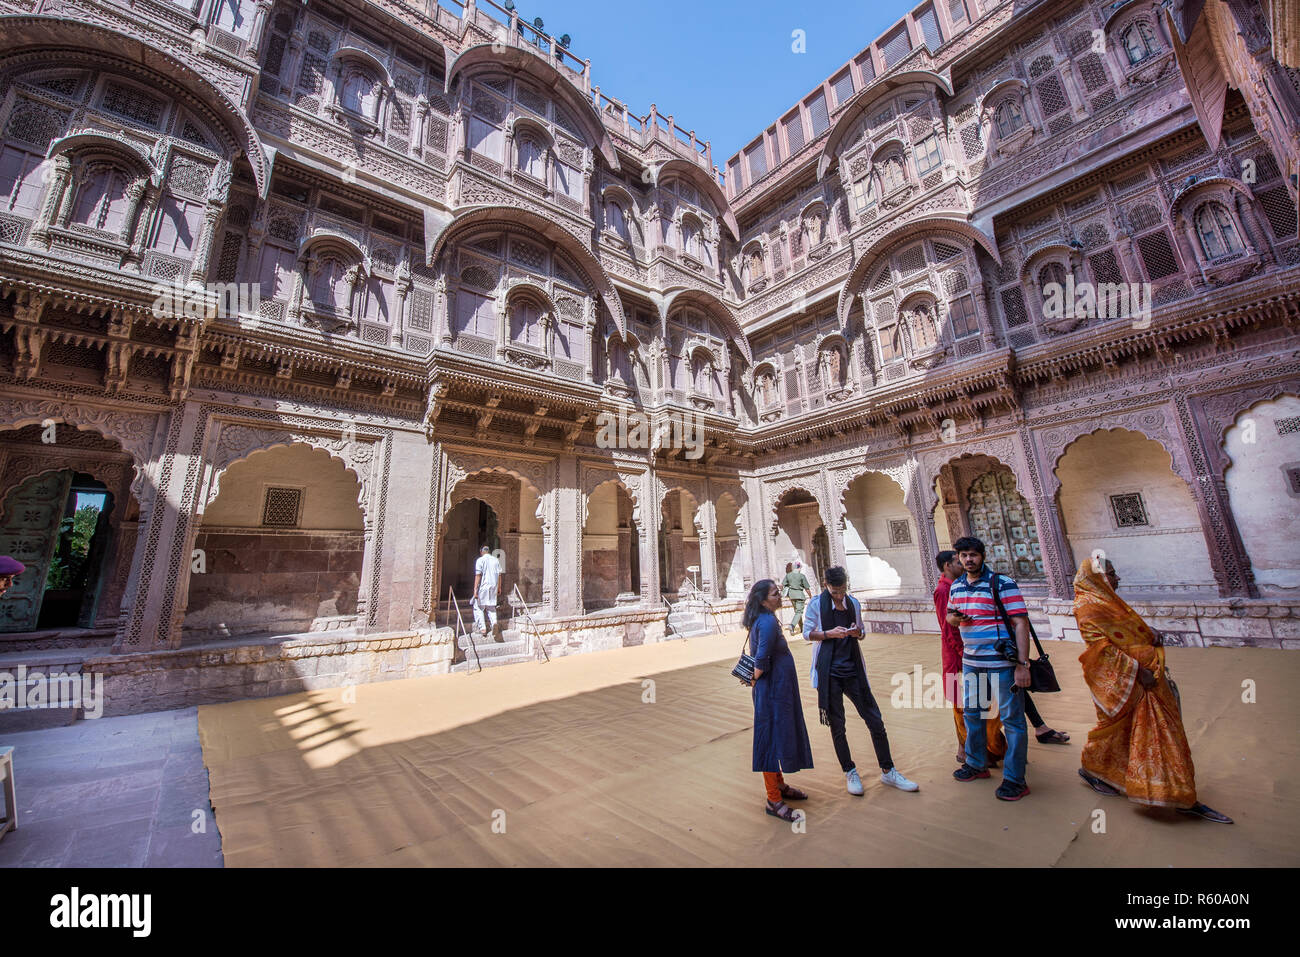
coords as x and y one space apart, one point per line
309 299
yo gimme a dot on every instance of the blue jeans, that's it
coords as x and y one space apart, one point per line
1010 704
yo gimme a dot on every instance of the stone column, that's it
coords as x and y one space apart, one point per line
706 527
53 201
158 584
1047 518
649 519
1228 557
927 539
402 286
566 540
835 521
625 545
421 125
260 19
131 225
207 239
148 203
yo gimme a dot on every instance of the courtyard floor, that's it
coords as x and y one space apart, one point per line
636 757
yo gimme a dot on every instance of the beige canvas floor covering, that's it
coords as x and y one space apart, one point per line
581 762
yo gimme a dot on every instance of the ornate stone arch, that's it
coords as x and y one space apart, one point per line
1222 412
866 98
812 485
1157 424
509 218
237 441
133 431
711 306
461 464
1005 450
499 55
175 69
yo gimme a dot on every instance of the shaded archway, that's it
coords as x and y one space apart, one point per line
979 495
280 549
66 512
611 546
1119 495
880 552
798 517
1263 484
679 545
731 562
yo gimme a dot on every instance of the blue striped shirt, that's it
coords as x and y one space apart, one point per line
979 636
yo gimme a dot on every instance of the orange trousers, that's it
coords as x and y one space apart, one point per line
997 742
773 781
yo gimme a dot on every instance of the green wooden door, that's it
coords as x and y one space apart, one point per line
29 532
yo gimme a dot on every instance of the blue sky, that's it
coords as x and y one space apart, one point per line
723 68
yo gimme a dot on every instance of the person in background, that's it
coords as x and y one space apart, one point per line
834 623
10 568
487 573
780 735
796 588
1139 748
950 651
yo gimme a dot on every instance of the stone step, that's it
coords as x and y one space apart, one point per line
496 662
14 720
500 650
509 637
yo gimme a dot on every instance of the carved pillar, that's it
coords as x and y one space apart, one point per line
59 178
421 125
566 586
402 286
625 546
131 225
1047 517
927 539
158 584
835 521
1191 265
649 519
1228 557
443 306
260 19
706 527
203 250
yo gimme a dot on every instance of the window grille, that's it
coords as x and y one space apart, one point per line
1158 255
1130 512
282 508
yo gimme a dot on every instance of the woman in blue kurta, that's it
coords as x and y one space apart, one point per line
780 736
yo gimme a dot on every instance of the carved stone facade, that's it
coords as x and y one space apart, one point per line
934 297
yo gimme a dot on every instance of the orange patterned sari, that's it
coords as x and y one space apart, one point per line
1139 745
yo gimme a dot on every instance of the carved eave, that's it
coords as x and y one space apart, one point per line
133 295
458 370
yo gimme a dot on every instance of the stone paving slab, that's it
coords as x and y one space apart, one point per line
112 792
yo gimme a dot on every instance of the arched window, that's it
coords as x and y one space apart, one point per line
692 241
1139 42
360 94
925 334
616 221
101 202
1217 232
754 263
531 157
330 289
526 322
20 181
702 373
1049 274
892 175
1008 117
891 343
862 197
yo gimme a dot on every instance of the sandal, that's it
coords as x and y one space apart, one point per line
1097 784
792 793
1208 813
783 811
1052 737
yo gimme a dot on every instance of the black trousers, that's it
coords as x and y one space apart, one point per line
857 692
1035 719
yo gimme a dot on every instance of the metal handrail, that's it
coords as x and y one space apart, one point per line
460 622
528 614
700 596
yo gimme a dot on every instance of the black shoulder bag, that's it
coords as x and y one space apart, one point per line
1042 677
744 669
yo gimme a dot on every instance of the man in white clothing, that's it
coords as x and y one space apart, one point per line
487 572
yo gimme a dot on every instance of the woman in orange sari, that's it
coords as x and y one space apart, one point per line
1138 748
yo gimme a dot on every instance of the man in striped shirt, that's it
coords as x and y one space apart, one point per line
972 609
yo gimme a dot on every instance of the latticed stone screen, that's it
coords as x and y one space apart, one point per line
282 507
1129 510
1158 255
900 532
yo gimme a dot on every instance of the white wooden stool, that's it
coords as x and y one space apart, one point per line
10 821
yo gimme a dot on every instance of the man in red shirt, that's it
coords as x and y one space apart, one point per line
951 650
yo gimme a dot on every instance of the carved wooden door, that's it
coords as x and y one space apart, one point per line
1000 517
29 532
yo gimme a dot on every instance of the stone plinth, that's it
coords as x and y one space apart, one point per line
1203 622
228 671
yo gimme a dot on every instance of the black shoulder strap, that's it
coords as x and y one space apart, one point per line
824 612
995 587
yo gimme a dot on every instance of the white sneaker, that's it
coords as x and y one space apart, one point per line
854 782
895 779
